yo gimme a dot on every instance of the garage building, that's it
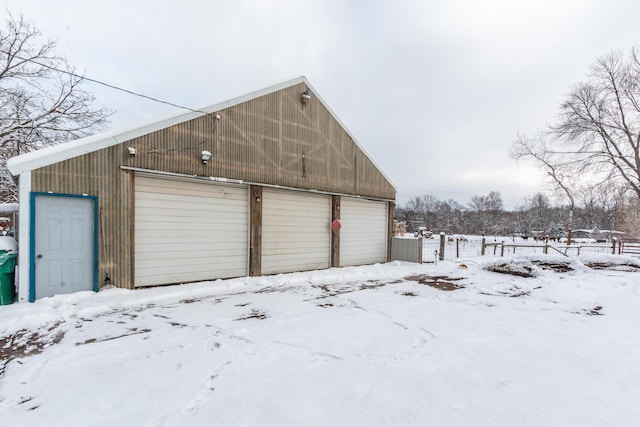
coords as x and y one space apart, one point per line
250 186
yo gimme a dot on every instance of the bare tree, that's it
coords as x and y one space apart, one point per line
523 220
421 211
631 218
559 167
488 209
540 207
42 102
612 203
596 138
449 217
599 123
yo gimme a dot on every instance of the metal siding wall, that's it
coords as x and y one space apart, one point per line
261 140
97 174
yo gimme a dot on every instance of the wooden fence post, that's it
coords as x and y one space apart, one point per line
502 248
613 246
457 248
484 241
442 246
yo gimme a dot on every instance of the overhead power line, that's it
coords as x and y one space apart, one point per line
130 92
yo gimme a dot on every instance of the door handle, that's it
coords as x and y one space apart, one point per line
39 256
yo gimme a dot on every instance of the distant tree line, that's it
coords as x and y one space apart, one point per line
537 215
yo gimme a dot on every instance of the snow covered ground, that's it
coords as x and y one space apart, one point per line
396 344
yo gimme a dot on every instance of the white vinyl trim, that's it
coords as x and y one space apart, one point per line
295 231
24 238
189 231
363 235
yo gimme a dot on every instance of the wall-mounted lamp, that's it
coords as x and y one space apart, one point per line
206 156
306 96
132 151
217 116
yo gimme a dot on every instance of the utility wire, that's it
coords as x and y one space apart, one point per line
103 83
186 147
215 117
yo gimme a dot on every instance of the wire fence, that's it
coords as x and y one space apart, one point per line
456 248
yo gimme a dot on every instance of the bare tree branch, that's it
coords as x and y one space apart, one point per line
597 134
42 101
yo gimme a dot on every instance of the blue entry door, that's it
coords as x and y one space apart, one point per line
64 251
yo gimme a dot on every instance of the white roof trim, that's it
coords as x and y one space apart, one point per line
58 153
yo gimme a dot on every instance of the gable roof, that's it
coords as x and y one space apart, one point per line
58 153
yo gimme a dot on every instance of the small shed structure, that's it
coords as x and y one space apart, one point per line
250 186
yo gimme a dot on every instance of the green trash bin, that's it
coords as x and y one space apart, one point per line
7 270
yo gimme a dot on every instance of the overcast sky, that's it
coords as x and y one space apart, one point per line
435 90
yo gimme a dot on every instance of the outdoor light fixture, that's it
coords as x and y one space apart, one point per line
206 156
306 96
132 151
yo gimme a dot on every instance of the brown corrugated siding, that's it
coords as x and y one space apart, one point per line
98 174
262 140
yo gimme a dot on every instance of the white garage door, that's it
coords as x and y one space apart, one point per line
363 236
189 231
295 231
